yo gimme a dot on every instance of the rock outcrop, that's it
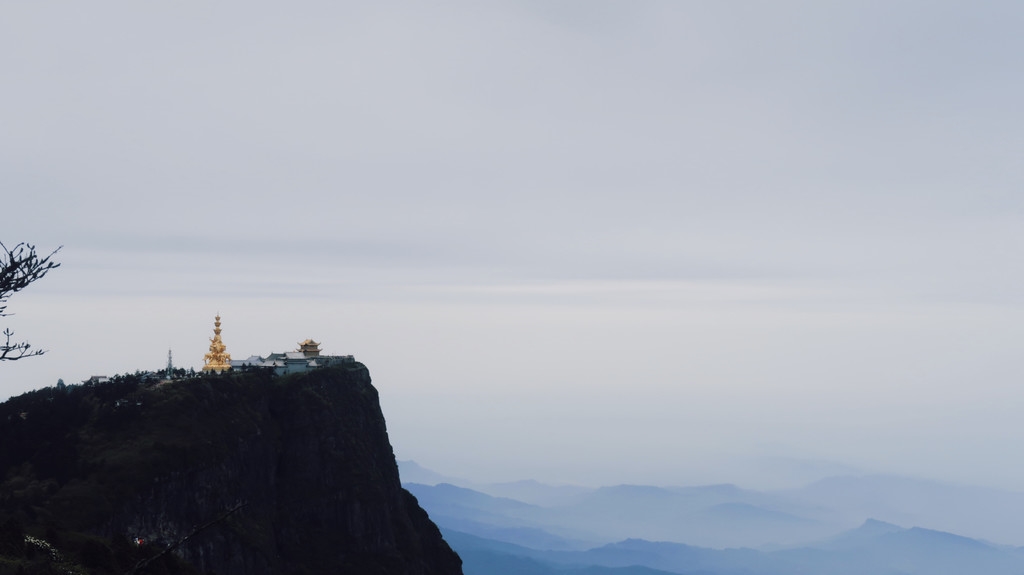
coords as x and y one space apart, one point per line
235 474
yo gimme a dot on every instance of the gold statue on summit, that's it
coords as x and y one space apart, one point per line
217 359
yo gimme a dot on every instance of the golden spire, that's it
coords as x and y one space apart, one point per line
218 359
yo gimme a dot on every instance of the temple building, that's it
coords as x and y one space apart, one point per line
217 359
305 358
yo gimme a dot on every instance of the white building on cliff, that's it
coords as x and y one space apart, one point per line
305 358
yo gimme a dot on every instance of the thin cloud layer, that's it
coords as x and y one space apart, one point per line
783 197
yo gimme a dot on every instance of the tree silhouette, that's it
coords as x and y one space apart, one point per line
19 267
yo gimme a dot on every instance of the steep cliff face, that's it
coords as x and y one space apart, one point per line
243 474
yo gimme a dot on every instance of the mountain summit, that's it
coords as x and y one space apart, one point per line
241 473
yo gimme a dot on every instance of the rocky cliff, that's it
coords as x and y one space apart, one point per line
234 474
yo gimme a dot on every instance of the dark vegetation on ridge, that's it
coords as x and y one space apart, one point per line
236 473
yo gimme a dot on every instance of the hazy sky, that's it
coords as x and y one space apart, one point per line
584 241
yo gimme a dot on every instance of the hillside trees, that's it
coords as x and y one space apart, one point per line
19 267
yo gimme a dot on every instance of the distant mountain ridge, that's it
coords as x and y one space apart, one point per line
816 511
866 550
602 528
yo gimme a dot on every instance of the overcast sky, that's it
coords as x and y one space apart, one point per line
581 241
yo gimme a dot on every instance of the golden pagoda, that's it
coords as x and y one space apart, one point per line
218 359
309 348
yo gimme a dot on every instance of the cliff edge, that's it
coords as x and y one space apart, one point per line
221 474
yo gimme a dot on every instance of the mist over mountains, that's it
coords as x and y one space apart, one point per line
867 524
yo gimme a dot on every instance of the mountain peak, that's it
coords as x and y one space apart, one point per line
875 526
246 473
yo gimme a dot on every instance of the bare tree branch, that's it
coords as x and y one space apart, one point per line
13 351
19 267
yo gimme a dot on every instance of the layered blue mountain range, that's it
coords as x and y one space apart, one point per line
824 528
